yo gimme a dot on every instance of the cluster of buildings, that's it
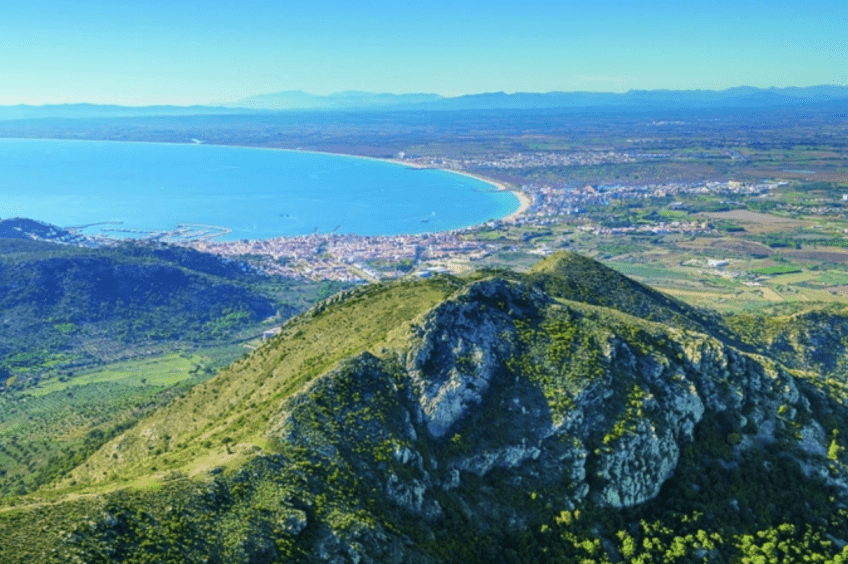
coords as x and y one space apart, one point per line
516 161
366 258
665 228
352 257
549 201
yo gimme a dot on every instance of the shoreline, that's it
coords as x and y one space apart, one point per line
524 200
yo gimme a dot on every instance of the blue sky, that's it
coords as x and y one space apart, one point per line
219 51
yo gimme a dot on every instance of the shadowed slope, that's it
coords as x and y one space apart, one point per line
464 421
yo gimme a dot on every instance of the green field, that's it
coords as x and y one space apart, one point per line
158 372
47 429
774 270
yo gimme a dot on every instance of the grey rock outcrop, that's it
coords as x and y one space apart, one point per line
462 347
487 401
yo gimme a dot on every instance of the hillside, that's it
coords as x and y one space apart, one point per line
565 414
56 299
94 338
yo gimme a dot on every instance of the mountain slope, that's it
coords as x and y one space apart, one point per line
92 339
503 417
55 299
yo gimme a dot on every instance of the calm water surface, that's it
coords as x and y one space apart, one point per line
138 189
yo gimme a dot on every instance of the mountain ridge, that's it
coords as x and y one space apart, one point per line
634 100
503 415
743 96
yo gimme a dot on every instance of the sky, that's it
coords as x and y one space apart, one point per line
219 51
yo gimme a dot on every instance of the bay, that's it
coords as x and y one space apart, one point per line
121 189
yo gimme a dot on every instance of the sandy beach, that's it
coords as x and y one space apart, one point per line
524 199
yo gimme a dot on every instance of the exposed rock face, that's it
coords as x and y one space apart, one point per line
462 348
507 408
294 522
459 404
818 339
640 447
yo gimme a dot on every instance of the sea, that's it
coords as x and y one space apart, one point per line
173 191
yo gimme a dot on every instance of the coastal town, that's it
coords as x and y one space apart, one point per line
356 258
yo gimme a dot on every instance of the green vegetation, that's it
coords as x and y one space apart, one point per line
118 443
777 269
317 435
163 372
95 339
48 430
74 307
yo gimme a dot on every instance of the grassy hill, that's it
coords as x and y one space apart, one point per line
94 338
56 300
565 414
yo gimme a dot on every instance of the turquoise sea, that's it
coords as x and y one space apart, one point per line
139 189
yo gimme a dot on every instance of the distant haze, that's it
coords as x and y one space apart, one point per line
741 97
733 97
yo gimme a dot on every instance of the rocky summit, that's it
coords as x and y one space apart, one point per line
563 414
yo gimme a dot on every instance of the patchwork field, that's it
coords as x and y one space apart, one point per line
161 372
51 427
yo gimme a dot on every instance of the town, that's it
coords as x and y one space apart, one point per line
356 258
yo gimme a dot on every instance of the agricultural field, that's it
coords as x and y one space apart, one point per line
82 359
750 259
47 429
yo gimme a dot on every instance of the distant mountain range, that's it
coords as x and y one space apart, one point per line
744 96
93 111
634 100
298 100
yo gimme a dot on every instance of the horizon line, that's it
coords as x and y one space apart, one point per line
233 104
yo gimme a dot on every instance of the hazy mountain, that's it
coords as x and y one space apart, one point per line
298 100
649 99
635 100
565 414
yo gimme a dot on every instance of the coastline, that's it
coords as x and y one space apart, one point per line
524 200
